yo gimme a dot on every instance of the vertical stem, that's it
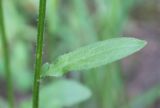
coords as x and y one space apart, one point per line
39 48
10 93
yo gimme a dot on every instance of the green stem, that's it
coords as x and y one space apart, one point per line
10 93
39 48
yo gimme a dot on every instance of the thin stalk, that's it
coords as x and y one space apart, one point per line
10 93
39 48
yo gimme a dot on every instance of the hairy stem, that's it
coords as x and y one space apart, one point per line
39 48
10 93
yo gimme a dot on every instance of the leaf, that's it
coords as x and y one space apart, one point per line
44 68
22 75
25 103
63 93
59 94
92 56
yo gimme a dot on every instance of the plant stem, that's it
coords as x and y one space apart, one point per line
10 93
39 48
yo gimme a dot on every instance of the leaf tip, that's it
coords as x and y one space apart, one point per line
143 43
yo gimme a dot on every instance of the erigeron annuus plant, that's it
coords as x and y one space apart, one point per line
91 56
87 57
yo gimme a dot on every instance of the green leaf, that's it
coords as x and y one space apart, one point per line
63 93
92 56
59 94
45 67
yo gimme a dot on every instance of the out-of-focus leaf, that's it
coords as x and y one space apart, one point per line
3 103
95 55
25 103
62 93
81 22
16 25
52 17
110 16
22 76
13 21
145 99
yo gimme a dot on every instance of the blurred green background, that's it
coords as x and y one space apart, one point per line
132 83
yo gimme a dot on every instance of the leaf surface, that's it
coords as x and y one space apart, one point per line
59 94
95 55
63 93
